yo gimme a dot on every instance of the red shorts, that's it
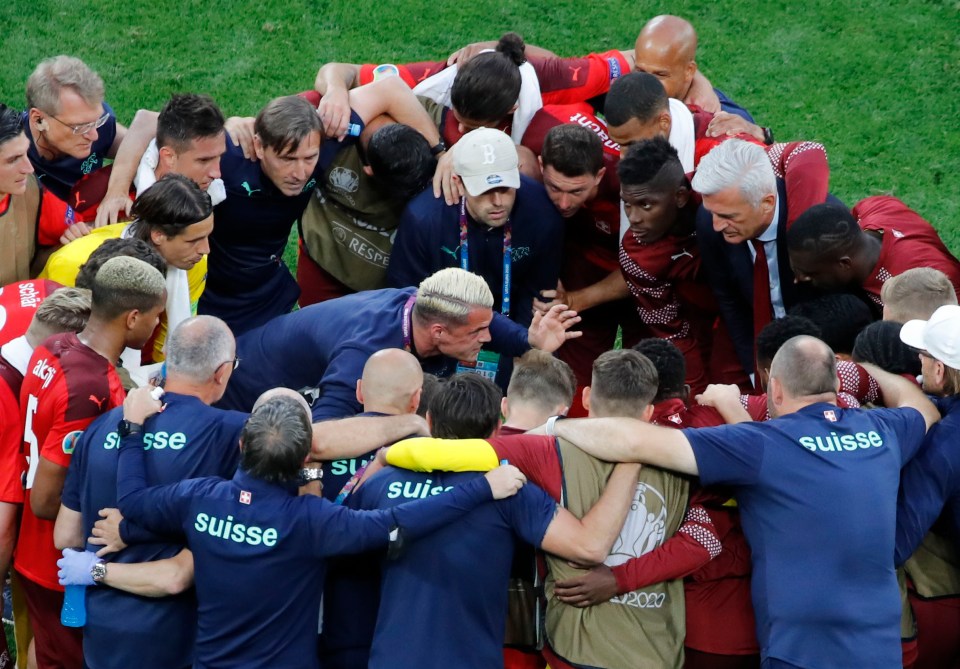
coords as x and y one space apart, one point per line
57 647
517 659
938 631
316 284
696 659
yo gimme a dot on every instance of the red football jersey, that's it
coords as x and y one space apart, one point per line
857 387
719 610
671 298
12 463
18 304
908 241
67 385
805 172
594 231
562 80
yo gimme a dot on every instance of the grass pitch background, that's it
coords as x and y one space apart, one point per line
878 83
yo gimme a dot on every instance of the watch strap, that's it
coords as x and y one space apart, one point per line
310 474
125 428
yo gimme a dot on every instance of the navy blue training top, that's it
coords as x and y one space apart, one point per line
59 176
247 280
454 580
817 492
930 484
326 345
259 549
428 239
728 105
187 440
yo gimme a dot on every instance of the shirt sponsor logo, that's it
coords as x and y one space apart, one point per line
411 490
830 415
844 442
44 372
152 440
238 533
246 497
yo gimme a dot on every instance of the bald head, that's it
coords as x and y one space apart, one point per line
667 48
391 382
805 367
274 393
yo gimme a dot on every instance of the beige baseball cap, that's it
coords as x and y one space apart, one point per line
939 336
486 158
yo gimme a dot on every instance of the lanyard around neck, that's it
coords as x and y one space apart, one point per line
507 256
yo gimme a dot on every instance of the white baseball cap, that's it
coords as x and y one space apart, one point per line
939 336
486 158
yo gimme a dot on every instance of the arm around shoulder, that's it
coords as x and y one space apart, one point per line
901 393
630 440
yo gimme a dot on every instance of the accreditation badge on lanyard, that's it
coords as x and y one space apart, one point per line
488 362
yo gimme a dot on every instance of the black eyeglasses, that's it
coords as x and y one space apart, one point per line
235 361
83 128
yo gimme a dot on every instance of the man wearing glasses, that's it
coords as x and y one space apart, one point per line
71 131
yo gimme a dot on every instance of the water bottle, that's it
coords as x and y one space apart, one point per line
74 611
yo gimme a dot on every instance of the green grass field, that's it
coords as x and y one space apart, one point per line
877 82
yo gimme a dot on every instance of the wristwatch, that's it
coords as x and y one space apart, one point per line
126 428
98 572
767 136
438 148
310 474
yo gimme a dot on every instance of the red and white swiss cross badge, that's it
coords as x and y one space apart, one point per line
245 497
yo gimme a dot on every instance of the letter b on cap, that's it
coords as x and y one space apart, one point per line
489 157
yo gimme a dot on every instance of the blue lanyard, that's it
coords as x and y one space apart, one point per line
507 256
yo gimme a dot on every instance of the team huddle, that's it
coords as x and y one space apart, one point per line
578 367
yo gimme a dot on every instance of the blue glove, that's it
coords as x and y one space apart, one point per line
75 567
